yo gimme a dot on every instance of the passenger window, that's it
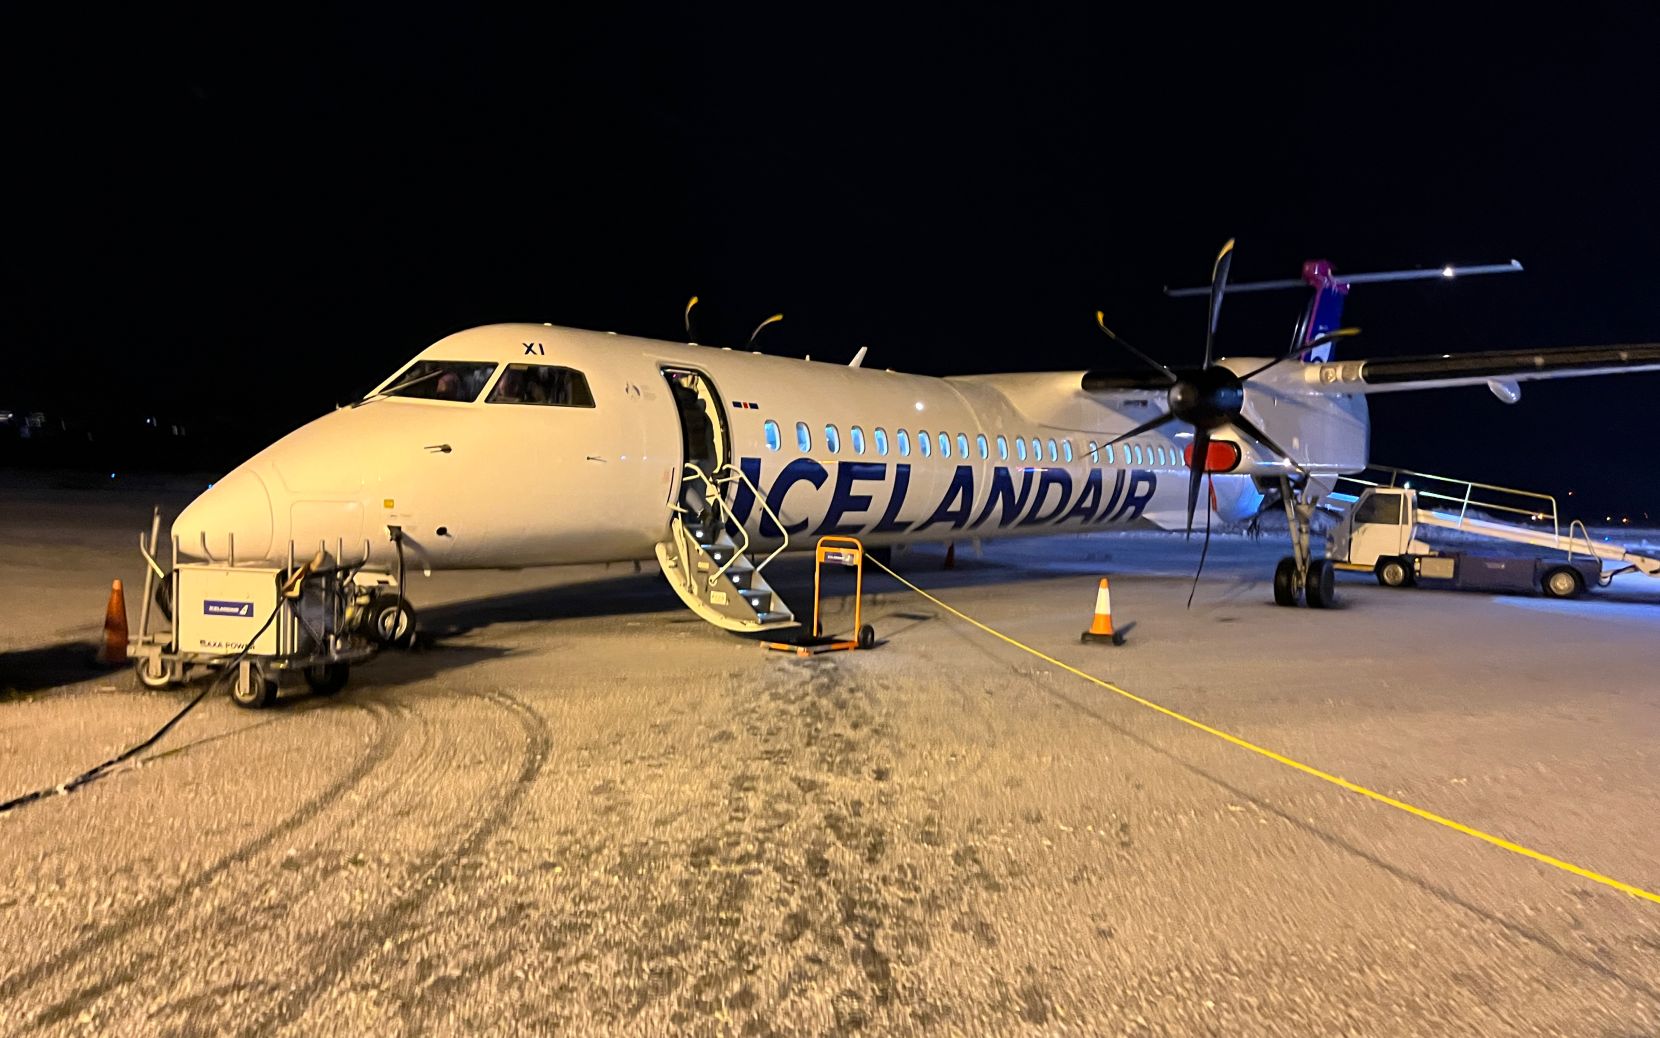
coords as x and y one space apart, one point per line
881 435
857 435
945 445
1066 450
1107 452
1162 460
1054 451
904 443
1020 448
980 442
803 438
1138 460
962 445
1002 449
923 443
770 428
540 384
1037 449
1094 453
832 439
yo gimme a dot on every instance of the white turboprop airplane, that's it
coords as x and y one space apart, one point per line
519 445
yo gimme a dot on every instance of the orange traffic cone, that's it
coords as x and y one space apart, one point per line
950 556
1100 629
114 651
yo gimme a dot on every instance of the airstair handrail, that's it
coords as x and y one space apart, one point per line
738 475
723 511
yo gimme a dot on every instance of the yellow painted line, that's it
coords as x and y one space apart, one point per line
1280 758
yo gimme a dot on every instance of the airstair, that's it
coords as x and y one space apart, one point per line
712 571
1495 512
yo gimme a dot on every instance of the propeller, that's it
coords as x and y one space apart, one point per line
1209 398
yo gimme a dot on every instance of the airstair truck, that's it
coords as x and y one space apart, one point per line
1377 532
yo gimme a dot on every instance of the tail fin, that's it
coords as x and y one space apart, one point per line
1324 311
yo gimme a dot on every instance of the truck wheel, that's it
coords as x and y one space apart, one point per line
867 637
1562 582
1394 573
1286 590
1321 584
251 688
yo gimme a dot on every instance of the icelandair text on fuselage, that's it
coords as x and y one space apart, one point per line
1024 496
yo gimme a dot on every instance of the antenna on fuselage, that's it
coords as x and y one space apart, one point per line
858 358
775 318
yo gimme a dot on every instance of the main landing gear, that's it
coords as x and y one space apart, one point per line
1300 575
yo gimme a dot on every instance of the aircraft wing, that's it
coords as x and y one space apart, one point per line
1499 369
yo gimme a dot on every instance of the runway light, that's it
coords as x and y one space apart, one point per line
1447 271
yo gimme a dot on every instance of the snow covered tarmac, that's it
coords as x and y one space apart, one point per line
580 809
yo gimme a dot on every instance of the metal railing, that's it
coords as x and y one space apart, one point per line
1531 505
715 493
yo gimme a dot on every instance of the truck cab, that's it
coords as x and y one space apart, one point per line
1377 535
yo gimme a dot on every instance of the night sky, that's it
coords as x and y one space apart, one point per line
246 223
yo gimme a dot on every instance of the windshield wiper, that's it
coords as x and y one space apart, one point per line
401 385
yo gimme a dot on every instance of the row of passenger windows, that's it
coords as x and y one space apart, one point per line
1032 449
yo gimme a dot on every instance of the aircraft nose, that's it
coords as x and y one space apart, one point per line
238 505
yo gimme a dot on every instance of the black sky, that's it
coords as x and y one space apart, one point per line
262 218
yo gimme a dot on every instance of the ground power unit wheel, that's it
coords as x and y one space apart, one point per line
326 679
391 621
867 637
252 687
153 672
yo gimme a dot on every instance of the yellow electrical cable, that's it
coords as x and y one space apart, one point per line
1514 848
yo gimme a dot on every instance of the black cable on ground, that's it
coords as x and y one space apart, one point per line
100 770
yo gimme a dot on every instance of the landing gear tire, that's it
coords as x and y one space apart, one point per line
391 622
326 679
1562 582
1393 573
251 687
867 637
1286 591
1320 586
153 673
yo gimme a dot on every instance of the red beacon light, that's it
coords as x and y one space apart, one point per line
1222 456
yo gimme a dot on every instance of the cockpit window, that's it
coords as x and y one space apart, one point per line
542 384
441 380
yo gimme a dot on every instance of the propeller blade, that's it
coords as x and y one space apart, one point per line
1205 551
1195 473
1144 427
1101 319
1341 333
688 317
1218 284
1246 426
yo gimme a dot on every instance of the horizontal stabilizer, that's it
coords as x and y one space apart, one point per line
1395 374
